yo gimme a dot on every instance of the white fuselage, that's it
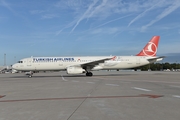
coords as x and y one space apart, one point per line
62 63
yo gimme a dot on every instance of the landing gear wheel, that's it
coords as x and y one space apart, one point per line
89 74
30 76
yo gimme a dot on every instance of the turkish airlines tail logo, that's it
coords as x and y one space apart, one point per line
151 47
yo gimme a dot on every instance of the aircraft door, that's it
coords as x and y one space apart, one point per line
138 61
29 62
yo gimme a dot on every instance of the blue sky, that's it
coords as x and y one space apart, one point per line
86 27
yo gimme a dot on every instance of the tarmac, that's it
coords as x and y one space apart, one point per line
108 95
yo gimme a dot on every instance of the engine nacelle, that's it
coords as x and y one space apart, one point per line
75 70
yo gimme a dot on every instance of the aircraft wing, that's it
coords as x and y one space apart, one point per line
92 64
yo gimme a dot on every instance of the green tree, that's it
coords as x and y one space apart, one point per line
159 66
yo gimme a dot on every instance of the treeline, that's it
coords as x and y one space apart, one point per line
160 66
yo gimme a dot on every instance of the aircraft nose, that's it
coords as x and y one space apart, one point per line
14 66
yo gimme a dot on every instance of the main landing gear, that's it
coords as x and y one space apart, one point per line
29 74
89 74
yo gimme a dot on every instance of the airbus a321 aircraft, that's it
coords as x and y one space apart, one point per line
79 65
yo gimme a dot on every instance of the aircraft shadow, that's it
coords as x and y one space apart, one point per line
59 76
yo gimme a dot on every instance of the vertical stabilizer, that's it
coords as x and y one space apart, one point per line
151 47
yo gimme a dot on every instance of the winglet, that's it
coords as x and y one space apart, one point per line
151 47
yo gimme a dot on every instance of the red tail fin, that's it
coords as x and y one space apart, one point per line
151 47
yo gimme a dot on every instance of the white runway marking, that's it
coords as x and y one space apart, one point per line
152 81
112 84
125 82
176 96
91 82
75 81
175 86
63 78
141 89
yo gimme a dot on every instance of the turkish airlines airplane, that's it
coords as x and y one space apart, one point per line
79 65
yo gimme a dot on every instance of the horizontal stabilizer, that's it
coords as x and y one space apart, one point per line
156 59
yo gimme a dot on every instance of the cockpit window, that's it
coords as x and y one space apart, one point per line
20 61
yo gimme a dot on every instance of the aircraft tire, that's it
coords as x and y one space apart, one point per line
89 74
30 76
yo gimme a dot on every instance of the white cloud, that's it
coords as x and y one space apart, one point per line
37 11
91 10
7 5
167 11
49 16
143 13
113 20
112 30
84 15
99 9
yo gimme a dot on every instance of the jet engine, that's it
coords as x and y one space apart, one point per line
75 70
